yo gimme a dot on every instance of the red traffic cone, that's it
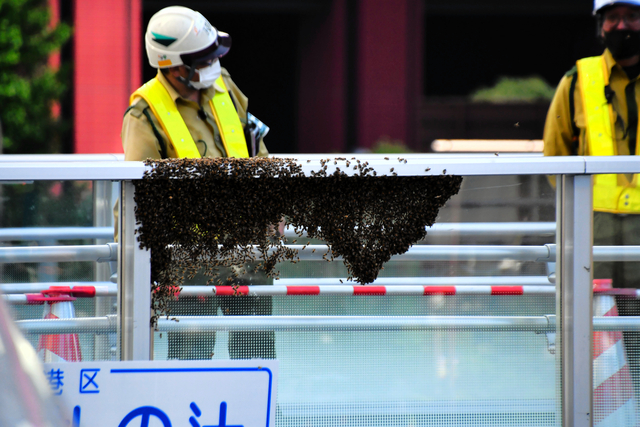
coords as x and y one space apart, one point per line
61 347
614 402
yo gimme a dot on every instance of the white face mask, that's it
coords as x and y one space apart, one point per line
208 75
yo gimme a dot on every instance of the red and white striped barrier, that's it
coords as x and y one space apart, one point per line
61 292
280 290
60 347
613 396
416 290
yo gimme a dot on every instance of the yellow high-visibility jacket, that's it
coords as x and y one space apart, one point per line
143 136
586 119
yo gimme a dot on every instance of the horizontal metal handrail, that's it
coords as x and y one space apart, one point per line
102 170
55 233
48 158
360 323
67 326
88 291
341 290
108 252
70 253
387 323
491 229
616 253
469 229
359 290
109 288
424 281
310 323
544 253
102 288
479 229
416 165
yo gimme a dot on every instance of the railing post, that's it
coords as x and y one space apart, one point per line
575 231
134 290
103 217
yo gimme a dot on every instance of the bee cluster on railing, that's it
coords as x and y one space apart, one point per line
208 215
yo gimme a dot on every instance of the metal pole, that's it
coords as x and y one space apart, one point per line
575 253
134 290
103 217
537 324
69 253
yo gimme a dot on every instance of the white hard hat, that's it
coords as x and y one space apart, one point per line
177 35
599 4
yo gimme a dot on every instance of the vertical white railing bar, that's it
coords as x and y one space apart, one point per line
102 217
134 291
575 254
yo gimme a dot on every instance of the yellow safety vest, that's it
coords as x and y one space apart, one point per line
166 111
608 196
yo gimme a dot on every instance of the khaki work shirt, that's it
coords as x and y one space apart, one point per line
140 126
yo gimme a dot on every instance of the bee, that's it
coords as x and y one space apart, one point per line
219 238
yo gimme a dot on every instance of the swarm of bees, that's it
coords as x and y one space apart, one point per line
210 213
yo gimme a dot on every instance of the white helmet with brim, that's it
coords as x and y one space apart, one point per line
601 4
178 35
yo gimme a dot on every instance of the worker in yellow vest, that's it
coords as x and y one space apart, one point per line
193 109
595 113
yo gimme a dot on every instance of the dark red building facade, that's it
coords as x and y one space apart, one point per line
334 75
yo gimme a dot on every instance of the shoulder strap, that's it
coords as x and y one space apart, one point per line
598 114
572 111
166 111
228 122
594 77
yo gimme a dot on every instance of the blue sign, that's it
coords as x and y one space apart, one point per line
87 381
225 393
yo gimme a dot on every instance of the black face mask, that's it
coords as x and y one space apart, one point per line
622 44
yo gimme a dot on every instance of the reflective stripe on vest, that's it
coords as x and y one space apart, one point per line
608 196
166 111
228 123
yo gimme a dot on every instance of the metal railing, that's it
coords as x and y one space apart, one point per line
571 251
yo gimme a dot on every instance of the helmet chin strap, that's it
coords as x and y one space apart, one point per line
187 81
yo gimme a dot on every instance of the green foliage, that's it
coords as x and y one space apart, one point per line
512 89
386 145
28 85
